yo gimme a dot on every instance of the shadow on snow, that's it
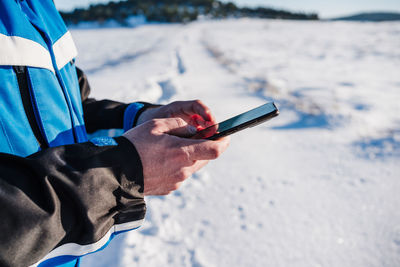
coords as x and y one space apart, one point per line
386 146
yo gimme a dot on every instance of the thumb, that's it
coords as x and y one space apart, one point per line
177 127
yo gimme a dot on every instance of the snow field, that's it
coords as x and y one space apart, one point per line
317 186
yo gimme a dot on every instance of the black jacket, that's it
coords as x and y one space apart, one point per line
70 194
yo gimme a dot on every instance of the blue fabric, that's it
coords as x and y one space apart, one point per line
130 115
69 261
14 23
55 97
44 15
62 261
104 141
70 81
51 106
16 136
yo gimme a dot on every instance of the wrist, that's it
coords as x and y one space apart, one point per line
146 115
133 112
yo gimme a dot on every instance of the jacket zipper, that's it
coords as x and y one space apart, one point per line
28 105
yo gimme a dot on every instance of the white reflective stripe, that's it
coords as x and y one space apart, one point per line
18 51
64 50
72 249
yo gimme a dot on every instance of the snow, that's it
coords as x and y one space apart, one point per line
131 21
317 186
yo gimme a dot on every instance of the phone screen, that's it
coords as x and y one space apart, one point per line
240 122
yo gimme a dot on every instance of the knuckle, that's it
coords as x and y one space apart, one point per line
153 126
180 122
154 123
185 155
154 131
197 101
187 173
174 187
181 176
216 152
167 192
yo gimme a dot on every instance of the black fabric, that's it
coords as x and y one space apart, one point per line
103 114
69 194
72 193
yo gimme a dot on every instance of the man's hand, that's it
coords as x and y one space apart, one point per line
167 158
192 112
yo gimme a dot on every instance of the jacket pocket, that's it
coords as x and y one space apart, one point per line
29 105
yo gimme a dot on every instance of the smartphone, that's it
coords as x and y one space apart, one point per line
240 122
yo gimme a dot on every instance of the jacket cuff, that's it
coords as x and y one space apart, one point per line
130 197
131 207
131 113
132 160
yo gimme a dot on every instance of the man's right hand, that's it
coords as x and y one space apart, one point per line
168 158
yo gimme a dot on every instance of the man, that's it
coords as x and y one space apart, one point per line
62 197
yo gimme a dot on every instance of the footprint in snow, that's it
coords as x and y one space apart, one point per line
168 89
181 68
242 218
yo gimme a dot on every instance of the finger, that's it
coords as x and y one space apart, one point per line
204 111
206 133
199 164
173 126
197 121
197 107
174 187
189 171
206 149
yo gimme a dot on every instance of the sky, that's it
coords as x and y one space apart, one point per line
326 9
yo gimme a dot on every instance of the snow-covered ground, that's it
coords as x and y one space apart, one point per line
317 186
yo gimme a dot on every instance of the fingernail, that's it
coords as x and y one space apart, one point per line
209 123
201 123
192 129
199 128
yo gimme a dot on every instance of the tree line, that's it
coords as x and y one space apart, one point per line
174 11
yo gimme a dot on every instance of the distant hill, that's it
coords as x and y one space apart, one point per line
174 11
375 17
